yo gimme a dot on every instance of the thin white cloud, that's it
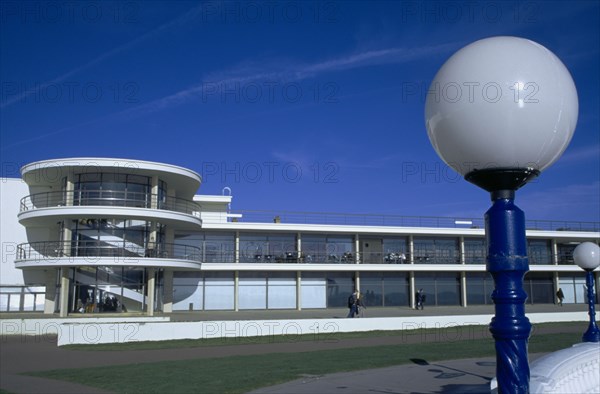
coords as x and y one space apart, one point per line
188 16
581 154
562 202
249 73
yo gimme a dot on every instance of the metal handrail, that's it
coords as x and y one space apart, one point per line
299 217
53 250
92 249
119 198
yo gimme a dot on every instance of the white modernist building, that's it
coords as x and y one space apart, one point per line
97 235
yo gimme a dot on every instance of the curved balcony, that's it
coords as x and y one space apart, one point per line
103 198
93 252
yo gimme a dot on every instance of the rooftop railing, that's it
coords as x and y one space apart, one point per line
115 198
397 220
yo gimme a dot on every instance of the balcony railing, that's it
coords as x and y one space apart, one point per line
114 198
55 250
397 220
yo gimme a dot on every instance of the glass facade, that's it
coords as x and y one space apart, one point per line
565 253
107 289
475 251
327 249
115 237
436 250
385 289
215 247
539 286
480 286
440 288
340 285
267 248
539 252
574 288
113 189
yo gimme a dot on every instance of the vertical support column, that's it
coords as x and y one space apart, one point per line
356 249
411 275
236 290
299 247
463 274
21 299
236 247
463 288
298 290
64 292
66 224
50 297
168 291
412 289
555 278
151 289
153 236
554 247
411 249
508 263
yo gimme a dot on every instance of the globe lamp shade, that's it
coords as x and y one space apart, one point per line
587 255
501 103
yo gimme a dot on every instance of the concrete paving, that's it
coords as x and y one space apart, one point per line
20 354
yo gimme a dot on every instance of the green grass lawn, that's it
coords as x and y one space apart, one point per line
243 373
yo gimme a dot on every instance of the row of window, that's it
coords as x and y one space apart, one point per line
109 289
137 236
256 290
282 248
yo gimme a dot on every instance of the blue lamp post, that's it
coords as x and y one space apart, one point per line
500 111
587 256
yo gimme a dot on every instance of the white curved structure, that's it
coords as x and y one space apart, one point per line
113 221
105 235
572 370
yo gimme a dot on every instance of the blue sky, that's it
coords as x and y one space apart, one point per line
295 105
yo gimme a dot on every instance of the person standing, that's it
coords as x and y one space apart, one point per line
352 306
561 296
420 299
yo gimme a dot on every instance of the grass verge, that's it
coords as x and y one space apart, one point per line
240 374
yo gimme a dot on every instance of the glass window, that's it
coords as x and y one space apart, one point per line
436 251
112 189
539 287
440 288
252 290
281 290
215 247
340 285
395 250
329 249
479 288
313 290
565 253
475 251
538 251
384 289
574 288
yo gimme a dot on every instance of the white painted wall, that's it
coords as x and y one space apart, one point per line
93 332
12 232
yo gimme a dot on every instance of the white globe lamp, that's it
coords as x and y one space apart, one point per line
500 111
